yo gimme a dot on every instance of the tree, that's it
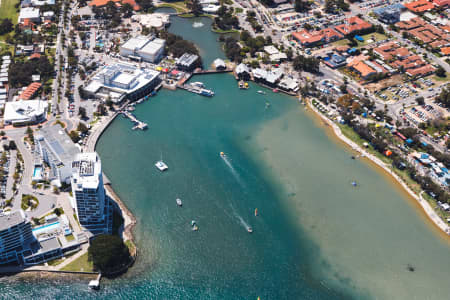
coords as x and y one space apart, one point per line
58 211
6 26
82 127
12 145
420 100
195 7
101 109
302 5
74 136
2 133
146 5
108 253
441 72
82 112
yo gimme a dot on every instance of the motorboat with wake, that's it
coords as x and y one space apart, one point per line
261 92
179 203
249 230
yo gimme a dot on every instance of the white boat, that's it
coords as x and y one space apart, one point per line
179 203
249 230
94 284
193 222
261 92
198 84
161 166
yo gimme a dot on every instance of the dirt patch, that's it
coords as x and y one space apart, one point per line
385 83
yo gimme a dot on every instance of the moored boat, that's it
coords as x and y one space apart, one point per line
179 203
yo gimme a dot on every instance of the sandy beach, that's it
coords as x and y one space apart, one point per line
437 221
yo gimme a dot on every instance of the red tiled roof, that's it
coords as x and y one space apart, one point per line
441 2
421 71
30 91
445 51
35 55
363 69
353 24
100 3
419 6
326 35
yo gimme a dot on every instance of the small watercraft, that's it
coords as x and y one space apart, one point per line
354 183
256 212
353 157
194 228
198 84
249 230
275 90
193 223
222 154
161 166
261 92
179 203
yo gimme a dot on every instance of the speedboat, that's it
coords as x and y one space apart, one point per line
193 223
222 154
256 212
179 203
249 230
161 166
261 92
195 228
354 183
94 284
198 84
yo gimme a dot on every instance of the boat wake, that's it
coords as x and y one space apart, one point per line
233 171
198 24
241 220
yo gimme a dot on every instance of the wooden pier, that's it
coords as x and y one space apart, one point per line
137 124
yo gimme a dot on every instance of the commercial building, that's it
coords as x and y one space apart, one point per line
118 3
15 236
123 81
389 14
353 25
156 20
313 38
143 48
187 62
25 112
30 91
30 13
56 149
91 204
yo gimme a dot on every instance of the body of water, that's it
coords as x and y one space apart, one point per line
315 237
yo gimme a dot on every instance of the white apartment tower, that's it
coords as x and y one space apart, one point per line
91 205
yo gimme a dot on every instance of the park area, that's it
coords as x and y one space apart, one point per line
8 10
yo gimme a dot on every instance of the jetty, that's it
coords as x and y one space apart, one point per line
137 124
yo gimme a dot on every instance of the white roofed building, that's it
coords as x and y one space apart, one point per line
30 13
143 48
25 112
91 204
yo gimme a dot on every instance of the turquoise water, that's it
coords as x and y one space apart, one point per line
316 236
55 224
37 172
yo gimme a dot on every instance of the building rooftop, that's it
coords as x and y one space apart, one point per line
24 111
86 170
11 219
419 6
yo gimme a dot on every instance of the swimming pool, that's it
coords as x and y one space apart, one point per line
46 228
37 172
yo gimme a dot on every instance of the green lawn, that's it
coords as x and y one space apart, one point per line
375 37
179 6
342 42
7 10
80 264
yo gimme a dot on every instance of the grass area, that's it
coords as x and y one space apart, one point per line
29 201
57 261
8 10
441 79
4 47
80 264
224 31
179 6
375 37
238 10
342 42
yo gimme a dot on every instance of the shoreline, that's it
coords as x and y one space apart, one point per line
424 206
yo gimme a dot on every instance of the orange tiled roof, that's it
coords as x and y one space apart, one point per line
441 2
101 3
353 24
411 24
30 91
445 51
424 70
363 69
419 6
35 55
